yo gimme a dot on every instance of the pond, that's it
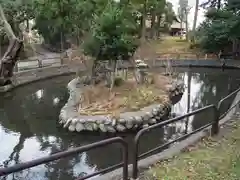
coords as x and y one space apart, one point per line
29 127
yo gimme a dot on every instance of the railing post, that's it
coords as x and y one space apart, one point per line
135 156
215 126
125 160
16 67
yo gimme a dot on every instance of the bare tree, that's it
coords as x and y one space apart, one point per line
182 12
195 20
10 57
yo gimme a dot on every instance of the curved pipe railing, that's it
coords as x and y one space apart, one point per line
64 154
136 157
224 100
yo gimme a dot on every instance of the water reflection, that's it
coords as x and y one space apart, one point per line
29 128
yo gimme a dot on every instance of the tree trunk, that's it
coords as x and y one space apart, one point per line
6 25
181 28
159 17
186 25
10 57
9 60
195 22
114 66
144 18
218 4
153 24
188 99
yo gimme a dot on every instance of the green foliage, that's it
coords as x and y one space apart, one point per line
221 29
71 20
118 81
214 36
16 12
113 36
58 20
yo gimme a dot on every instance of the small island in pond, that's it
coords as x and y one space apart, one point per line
116 91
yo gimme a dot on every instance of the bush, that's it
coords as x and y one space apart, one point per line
118 81
113 36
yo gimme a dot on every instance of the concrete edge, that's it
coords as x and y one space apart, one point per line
175 149
26 73
229 64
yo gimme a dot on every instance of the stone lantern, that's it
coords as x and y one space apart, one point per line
141 69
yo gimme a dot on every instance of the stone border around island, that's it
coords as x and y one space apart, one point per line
70 118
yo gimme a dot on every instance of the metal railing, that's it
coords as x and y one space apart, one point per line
136 155
37 63
64 154
214 130
224 100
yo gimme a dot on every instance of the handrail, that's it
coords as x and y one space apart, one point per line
224 99
136 157
64 154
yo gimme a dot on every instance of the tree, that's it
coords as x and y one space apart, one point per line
220 31
183 11
113 37
10 57
16 12
195 21
165 16
212 3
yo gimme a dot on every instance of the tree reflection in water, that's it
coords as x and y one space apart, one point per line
29 115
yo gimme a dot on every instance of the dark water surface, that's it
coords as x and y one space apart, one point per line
29 128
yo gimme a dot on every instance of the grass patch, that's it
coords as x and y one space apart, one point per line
168 46
211 159
172 45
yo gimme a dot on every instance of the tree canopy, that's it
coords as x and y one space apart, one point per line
70 20
221 29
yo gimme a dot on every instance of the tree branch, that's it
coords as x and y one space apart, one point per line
6 25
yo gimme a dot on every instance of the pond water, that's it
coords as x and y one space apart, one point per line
29 128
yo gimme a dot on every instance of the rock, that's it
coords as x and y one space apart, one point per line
68 123
120 128
129 124
122 121
79 127
74 121
153 121
63 116
155 111
99 121
135 126
138 119
110 129
102 128
95 126
71 128
88 126
107 121
147 116
114 122
82 120
145 126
